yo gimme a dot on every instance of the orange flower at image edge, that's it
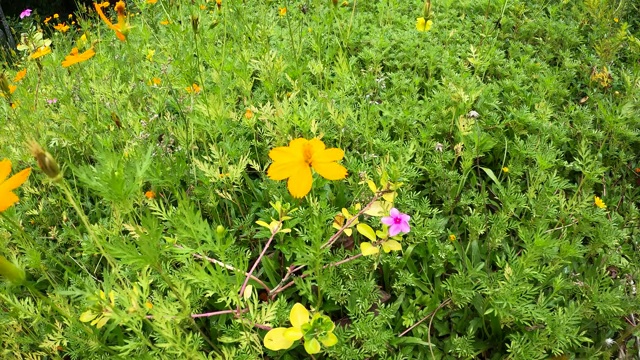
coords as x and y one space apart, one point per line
122 27
7 197
74 57
294 162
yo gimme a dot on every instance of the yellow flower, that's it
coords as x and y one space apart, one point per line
7 197
70 16
74 57
599 203
294 162
302 325
193 88
46 20
42 51
164 22
83 40
203 7
505 169
248 114
62 27
150 54
452 237
156 81
423 25
616 19
55 16
282 11
152 1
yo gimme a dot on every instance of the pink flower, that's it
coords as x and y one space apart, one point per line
397 221
25 13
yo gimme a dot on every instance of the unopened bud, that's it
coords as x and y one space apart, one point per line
220 229
10 271
195 20
46 162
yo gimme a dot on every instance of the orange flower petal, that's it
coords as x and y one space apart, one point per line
285 169
299 183
330 170
316 145
298 144
7 199
285 154
328 155
5 169
15 181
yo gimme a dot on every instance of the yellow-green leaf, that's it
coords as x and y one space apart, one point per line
329 340
389 196
293 334
368 249
376 209
299 315
367 231
275 339
87 316
391 245
312 346
372 186
382 234
247 292
263 224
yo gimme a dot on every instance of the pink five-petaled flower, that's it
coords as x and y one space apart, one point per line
25 13
397 221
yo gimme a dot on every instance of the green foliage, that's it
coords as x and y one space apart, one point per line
503 122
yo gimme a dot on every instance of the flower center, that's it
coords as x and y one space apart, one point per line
308 153
397 220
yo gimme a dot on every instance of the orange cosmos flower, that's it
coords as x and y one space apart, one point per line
7 197
20 75
152 1
248 114
42 51
122 26
74 57
294 162
156 81
62 27
150 195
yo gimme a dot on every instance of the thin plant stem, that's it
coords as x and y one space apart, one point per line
229 267
431 314
255 264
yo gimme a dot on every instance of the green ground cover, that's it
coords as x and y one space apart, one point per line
157 221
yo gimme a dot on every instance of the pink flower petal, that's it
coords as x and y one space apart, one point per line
394 230
405 218
394 212
387 220
404 227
